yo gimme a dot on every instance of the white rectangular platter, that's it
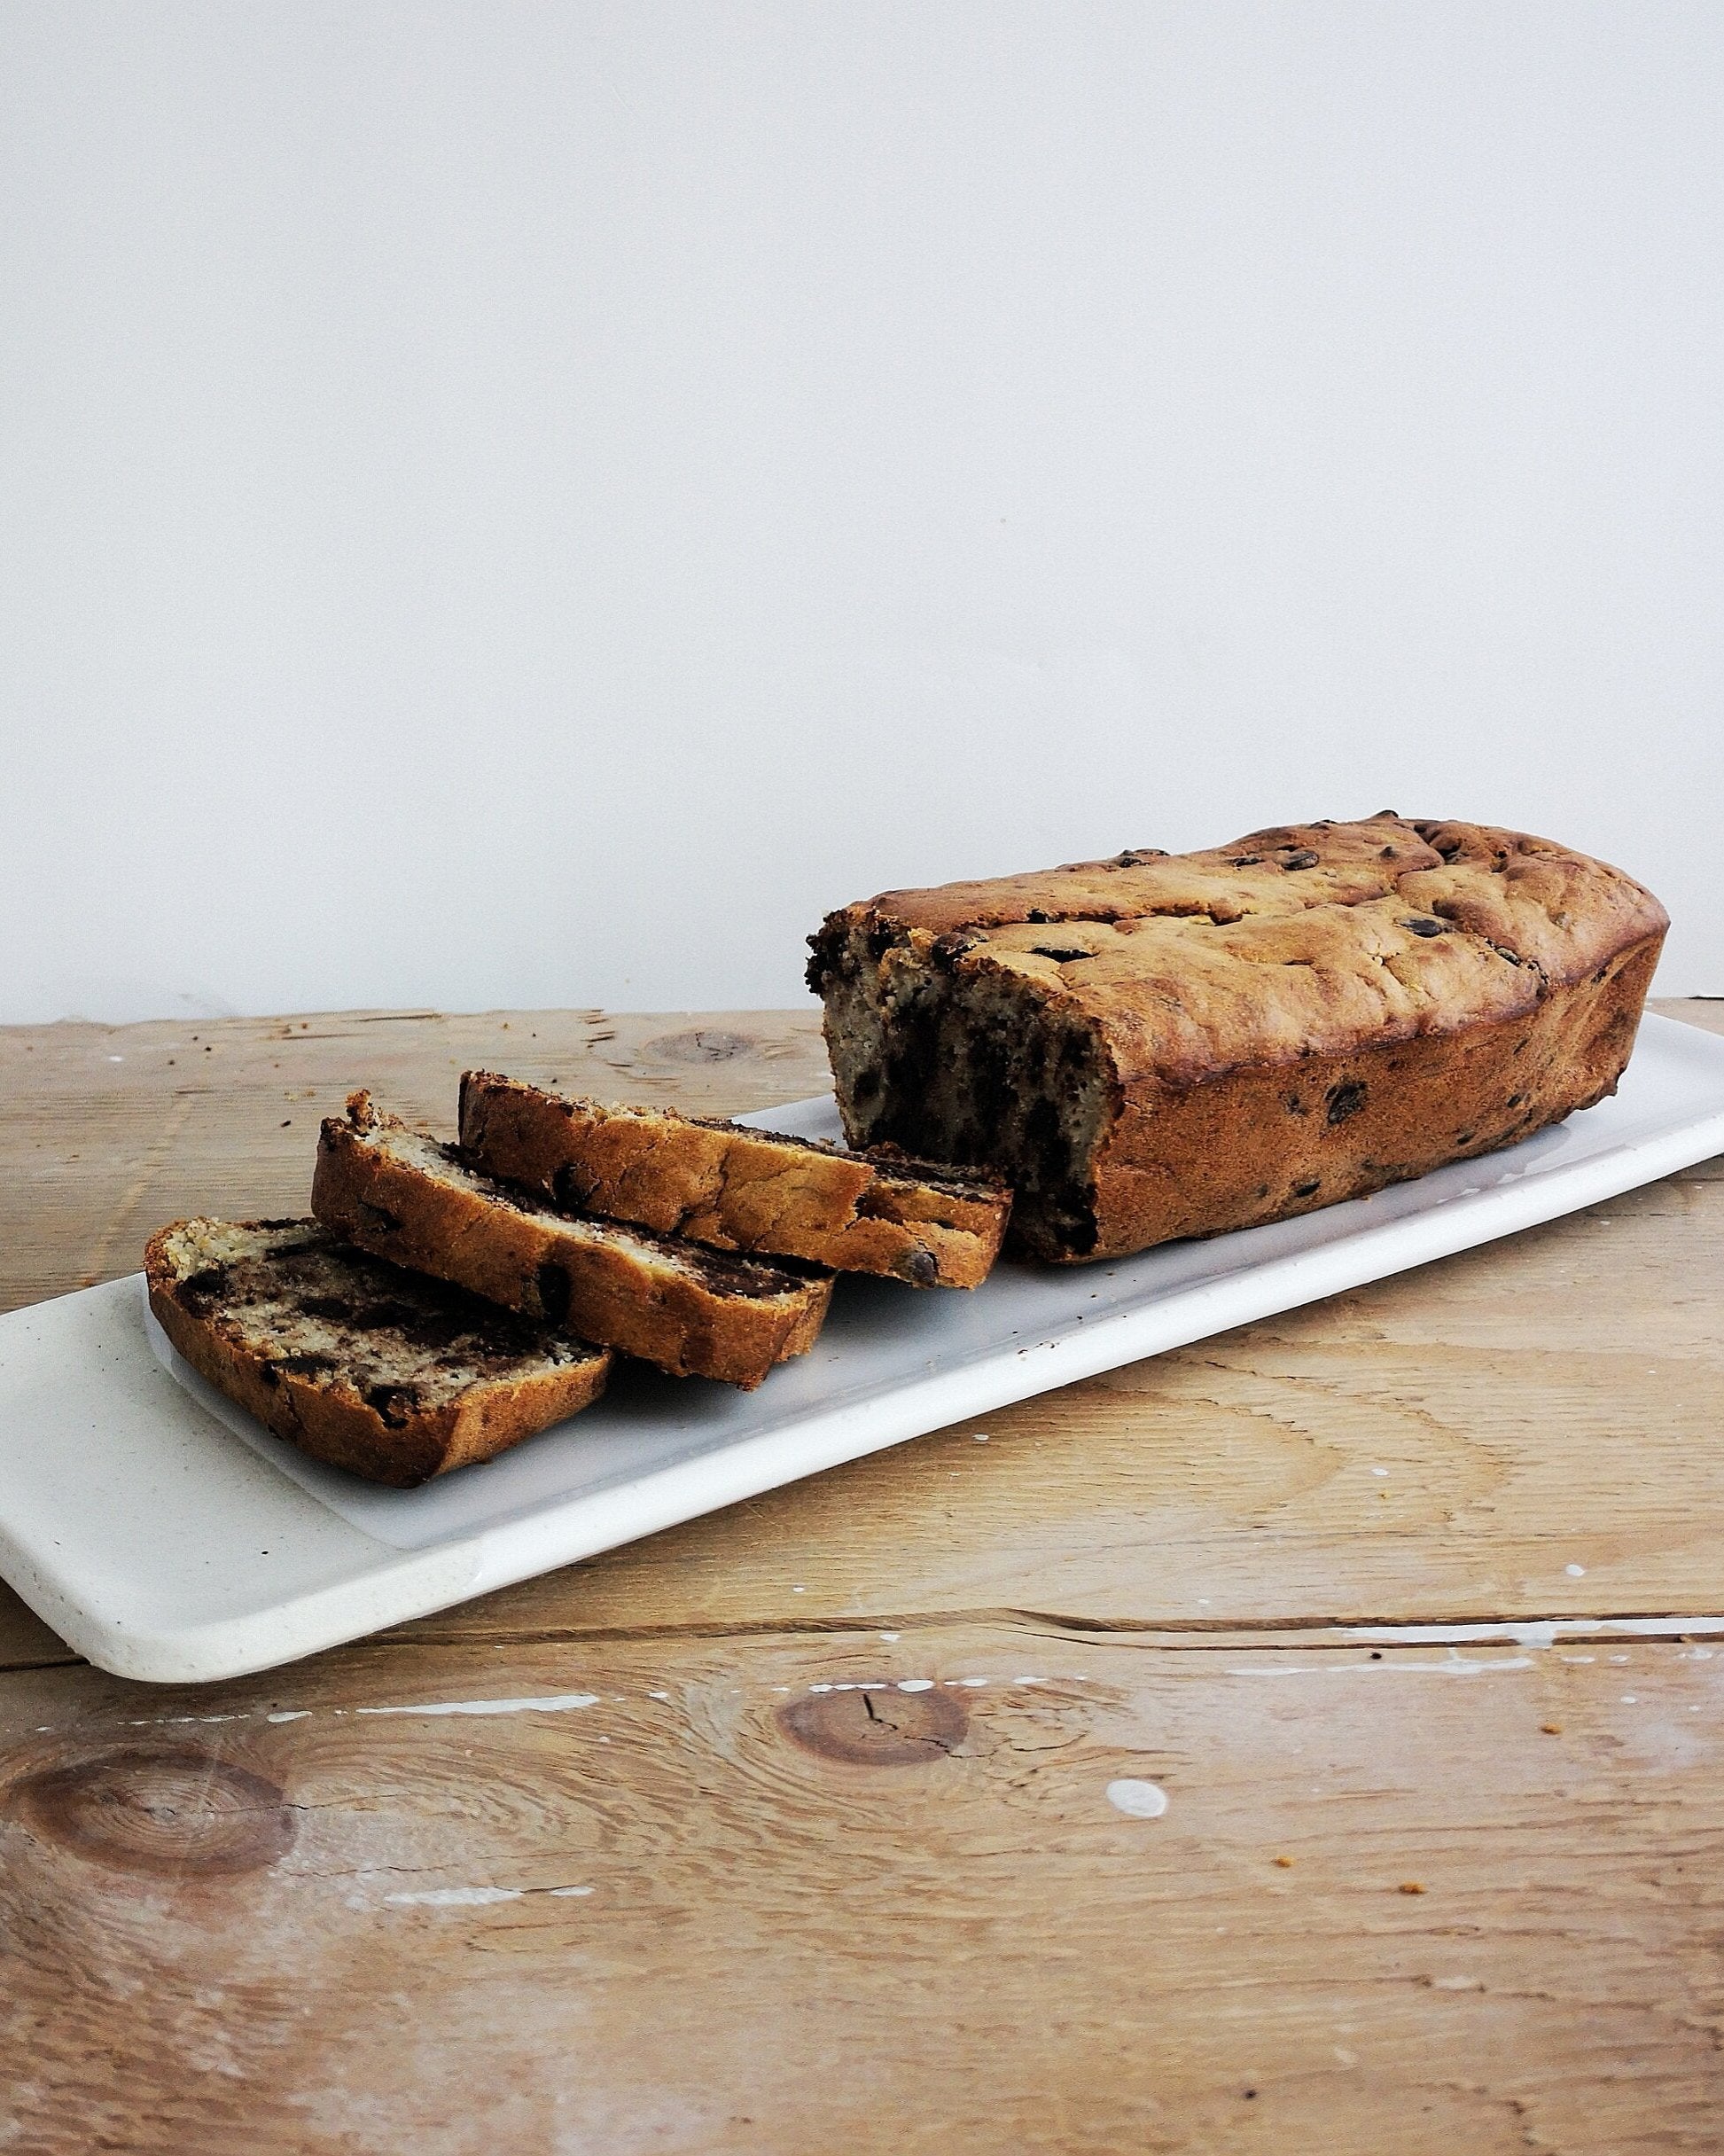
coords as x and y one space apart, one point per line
168 1536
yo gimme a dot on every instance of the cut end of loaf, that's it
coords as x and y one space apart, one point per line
975 1067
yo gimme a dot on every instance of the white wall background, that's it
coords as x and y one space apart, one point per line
532 504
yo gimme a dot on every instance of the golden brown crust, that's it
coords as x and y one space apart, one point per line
397 1193
1258 1144
1182 1001
1459 985
731 1188
329 1417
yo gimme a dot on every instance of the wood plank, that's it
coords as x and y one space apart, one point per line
720 1908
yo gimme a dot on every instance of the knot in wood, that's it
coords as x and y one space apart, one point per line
167 1811
877 1725
704 1045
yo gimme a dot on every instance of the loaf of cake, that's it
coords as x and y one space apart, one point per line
406 1196
1157 1045
733 1188
392 1376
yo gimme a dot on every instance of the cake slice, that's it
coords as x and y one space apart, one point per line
732 1187
393 1378
406 1195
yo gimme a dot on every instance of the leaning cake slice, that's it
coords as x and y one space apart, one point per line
393 1378
732 1187
406 1195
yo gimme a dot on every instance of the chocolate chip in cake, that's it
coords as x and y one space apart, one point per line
307 1363
1344 1099
394 1402
388 1316
331 1309
552 1283
204 1289
569 1193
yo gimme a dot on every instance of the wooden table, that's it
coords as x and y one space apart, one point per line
1409 1603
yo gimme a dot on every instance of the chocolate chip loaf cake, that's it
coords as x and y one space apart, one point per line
408 1197
1157 1045
732 1187
392 1376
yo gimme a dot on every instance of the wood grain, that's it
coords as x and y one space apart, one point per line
720 1908
807 1843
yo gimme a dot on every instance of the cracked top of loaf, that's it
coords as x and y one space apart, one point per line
1307 938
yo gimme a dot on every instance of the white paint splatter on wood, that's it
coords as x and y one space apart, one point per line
556 1703
477 1897
1137 1800
1453 1665
455 1897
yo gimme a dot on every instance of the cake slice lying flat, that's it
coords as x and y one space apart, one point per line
407 1197
394 1377
732 1187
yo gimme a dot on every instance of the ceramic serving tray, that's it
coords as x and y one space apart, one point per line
168 1536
